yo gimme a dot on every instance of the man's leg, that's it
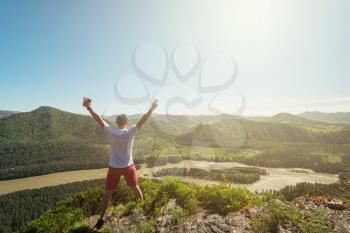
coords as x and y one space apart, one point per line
138 192
112 181
106 198
130 176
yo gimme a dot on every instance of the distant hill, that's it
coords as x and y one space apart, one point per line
174 124
48 124
284 127
291 119
132 118
48 140
298 121
228 132
337 117
5 113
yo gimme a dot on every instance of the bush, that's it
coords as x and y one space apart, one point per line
80 227
56 221
338 190
223 198
276 212
184 193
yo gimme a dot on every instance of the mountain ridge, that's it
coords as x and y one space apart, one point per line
47 123
334 117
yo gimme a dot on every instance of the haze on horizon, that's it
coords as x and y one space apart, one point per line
291 56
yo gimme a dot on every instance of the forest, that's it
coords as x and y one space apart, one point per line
22 206
23 159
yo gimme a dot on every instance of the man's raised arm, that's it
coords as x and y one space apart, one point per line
98 118
144 118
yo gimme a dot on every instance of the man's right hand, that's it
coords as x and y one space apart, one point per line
154 104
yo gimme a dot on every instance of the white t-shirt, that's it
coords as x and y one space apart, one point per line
120 141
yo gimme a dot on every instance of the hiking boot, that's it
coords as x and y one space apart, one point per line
99 224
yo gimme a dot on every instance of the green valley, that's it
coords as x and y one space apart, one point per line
49 140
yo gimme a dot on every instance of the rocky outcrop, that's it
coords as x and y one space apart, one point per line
173 219
203 222
338 211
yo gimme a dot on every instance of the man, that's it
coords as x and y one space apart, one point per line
121 162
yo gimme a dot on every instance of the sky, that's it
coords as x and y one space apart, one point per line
197 57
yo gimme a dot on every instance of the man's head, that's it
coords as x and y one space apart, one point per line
122 121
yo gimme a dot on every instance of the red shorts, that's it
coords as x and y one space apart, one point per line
113 176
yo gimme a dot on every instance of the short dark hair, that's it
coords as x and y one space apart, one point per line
122 119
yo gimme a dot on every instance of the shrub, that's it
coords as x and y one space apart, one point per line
276 212
184 193
223 198
80 227
56 221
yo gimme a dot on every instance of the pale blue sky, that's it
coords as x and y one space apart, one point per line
291 56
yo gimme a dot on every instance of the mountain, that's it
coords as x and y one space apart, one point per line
48 140
232 131
47 124
291 119
229 132
5 113
337 117
174 124
298 121
283 127
132 118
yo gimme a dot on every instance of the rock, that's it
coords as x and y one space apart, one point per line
237 220
113 223
166 218
341 220
335 205
203 222
287 228
136 216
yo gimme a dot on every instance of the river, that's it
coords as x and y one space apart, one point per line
276 179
